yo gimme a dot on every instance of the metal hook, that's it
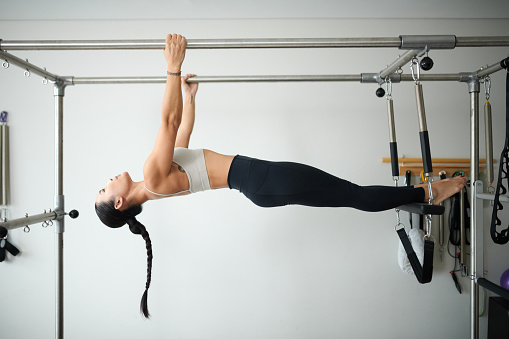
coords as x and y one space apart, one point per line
415 62
26 229
428 227
464 271
427 237
388 86
45 80
5 64
487 86
27 72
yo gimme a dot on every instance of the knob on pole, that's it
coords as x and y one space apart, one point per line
74 214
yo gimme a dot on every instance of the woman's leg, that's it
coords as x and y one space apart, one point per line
271 184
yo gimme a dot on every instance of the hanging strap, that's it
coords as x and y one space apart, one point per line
454 218
502 237
5 245
423 273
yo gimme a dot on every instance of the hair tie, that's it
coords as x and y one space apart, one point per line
133 225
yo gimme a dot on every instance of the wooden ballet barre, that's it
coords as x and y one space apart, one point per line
449 165
436 160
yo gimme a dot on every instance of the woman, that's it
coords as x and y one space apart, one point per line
173 170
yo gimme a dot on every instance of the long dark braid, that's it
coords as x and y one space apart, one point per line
114 218
137 228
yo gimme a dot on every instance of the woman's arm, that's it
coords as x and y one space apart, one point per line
158 164
187 124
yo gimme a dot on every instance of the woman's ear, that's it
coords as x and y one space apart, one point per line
119 203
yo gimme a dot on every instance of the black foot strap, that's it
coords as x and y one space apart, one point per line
423 273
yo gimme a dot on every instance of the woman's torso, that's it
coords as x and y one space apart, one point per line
177 182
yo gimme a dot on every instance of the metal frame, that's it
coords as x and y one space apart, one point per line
416 45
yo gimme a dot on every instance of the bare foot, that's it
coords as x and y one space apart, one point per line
443 189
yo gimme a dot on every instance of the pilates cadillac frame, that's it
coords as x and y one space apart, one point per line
414 46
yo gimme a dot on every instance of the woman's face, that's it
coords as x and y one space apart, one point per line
115 187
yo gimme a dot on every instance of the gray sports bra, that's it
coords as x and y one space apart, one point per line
193 162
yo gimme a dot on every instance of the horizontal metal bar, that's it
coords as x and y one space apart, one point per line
482 41
373 42
432 77
29 220
428 41
199 43
27 66
260 78
489 70
402 60
204 79
491 197
294 43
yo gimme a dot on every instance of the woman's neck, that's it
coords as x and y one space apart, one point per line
138 194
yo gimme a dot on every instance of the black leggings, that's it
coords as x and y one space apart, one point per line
271 184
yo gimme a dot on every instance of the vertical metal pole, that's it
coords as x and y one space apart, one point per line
2 167
474 176
5 165
489 142
59 206
423 132
478 206
393 145
463 250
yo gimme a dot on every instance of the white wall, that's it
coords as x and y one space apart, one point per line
224 268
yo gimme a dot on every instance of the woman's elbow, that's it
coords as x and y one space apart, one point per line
174 121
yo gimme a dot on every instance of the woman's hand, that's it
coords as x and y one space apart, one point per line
175 52
190 89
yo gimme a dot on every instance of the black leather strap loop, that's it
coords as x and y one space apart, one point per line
423 273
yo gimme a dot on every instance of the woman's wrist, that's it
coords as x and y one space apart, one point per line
173 68
174 73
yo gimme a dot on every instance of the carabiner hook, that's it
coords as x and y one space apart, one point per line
415 74
388 86
487 87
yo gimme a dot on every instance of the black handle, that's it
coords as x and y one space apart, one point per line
394 158
11 248
458 286
426 152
